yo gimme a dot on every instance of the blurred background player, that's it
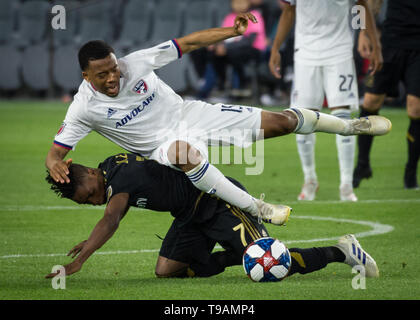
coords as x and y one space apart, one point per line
323 62
401 51
201 220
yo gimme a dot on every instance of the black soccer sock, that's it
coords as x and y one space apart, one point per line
217 263
364 142
313 259
413 141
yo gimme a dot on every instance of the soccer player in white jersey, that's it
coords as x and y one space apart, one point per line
324 65
124 101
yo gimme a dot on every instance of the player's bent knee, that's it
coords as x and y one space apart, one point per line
168 268
184 156
161 270
276 124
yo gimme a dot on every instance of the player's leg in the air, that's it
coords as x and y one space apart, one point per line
206 177
182 154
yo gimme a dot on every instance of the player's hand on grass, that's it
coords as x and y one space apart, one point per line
76 249
60 170
274 64
241 22
73 266
69 269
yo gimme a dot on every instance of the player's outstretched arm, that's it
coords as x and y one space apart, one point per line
103 231
58 168
207 37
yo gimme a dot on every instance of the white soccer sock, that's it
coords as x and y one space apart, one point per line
313 121
209 179
306 149
346 148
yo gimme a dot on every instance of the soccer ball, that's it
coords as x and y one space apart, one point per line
267 259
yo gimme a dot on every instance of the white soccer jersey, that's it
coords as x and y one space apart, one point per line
322 33
142 114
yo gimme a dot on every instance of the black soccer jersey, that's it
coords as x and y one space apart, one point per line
402 24
156 187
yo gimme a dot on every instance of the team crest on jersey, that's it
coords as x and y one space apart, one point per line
141 87
61 129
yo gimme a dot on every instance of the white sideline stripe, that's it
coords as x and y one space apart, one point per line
86 207
377 228
64 254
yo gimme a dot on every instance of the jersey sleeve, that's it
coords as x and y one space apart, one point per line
147 60
74 128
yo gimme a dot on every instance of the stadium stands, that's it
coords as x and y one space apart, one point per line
95 22
65 68
38 57
10 65
36 67
64 37
197 16
136 27
7 21
32 19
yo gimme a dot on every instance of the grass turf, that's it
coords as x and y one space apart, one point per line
37 228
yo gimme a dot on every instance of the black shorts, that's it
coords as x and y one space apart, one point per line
232 228
399 65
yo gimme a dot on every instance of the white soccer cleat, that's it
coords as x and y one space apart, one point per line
347 194
356 256
275 214
309 189
371 125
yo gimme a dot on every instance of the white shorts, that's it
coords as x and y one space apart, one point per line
338 82
205 125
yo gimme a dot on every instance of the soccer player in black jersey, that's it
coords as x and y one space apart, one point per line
201 220
401 52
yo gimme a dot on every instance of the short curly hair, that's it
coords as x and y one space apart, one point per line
93 50
76 175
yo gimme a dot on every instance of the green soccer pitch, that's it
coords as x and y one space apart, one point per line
37 229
